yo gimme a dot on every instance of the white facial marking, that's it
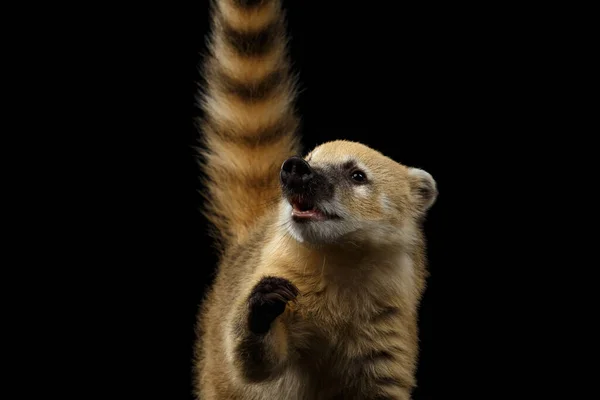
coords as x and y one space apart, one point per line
361 191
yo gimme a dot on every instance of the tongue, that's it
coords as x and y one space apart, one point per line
302 212
307 214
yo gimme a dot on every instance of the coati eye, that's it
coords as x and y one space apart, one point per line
358 176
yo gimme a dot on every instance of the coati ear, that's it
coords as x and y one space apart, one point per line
423 187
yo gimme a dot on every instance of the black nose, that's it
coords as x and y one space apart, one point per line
295 173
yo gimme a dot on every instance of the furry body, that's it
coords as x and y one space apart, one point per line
323 260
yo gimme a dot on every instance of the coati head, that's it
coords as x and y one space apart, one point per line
346 190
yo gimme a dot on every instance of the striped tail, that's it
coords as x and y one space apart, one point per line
249 125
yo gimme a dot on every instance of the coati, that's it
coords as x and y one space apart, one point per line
322 258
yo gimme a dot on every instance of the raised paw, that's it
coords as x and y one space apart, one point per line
267 301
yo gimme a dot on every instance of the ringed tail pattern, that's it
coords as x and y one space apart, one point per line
249 125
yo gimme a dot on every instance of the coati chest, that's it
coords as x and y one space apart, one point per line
346 331
351 357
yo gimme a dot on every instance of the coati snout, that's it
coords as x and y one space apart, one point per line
304 187
296 175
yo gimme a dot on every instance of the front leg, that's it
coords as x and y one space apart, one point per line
260 336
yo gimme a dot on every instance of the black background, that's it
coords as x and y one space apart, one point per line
446 88
379 76
376 79
407 81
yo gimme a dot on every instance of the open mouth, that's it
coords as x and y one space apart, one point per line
304 209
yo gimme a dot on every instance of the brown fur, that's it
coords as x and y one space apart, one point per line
249 129
351 332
